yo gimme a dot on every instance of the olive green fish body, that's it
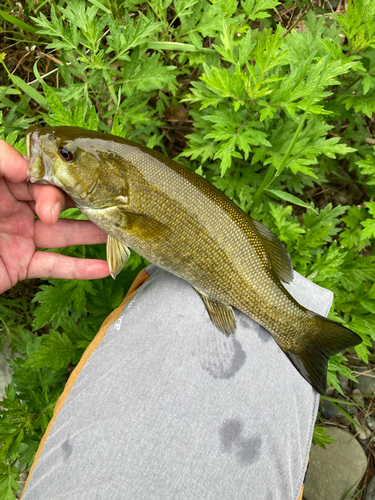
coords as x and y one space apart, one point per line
204 238
179 221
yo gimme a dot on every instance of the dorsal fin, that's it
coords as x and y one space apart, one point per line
277 253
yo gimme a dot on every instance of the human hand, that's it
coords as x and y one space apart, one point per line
20 232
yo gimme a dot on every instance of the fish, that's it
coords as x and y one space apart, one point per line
179 221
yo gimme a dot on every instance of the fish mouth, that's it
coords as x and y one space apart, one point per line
39 165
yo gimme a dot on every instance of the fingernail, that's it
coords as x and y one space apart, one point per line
55 210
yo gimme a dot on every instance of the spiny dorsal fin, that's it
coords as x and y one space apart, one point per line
277 253
117 255
222 316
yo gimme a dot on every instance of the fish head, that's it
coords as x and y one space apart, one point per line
76 160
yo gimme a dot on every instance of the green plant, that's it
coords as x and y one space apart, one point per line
321 438
278 119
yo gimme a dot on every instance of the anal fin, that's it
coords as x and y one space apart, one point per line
222 316
117 255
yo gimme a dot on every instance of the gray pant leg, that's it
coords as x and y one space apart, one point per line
169 408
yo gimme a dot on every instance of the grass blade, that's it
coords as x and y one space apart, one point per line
144 129
175 46
347 415
290 198
100 6
31 92
17 22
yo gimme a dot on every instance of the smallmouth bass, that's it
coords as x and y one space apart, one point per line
180 222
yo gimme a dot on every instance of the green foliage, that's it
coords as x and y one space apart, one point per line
255 92
321 438
369 224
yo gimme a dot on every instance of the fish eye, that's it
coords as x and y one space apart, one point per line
68 152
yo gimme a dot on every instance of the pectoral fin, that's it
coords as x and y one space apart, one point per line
143 226
222 316
117 255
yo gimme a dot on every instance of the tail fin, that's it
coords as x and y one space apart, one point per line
323 339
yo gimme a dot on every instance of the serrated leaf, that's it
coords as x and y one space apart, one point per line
115 126
196 40
350 237
78 115
145 75
258 9
56 352
131 35
9 483
369 224
363 352
55 104
93 119
62 298
371 207
368 82
321 438
369 229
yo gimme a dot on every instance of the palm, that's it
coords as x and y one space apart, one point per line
17 237
20 232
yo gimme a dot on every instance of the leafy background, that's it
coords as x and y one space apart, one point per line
273 102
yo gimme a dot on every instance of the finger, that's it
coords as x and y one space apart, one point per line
47 201
27 191
13 166
53 265
50 201
67 233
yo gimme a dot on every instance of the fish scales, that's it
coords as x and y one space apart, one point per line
231 258
179 221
